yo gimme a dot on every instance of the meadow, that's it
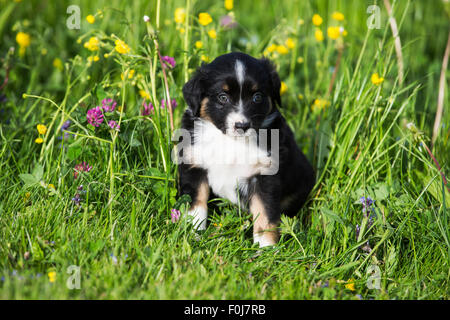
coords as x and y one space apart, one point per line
90 95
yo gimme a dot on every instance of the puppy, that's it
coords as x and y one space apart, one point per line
232 110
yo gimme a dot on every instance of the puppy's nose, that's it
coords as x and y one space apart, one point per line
242 125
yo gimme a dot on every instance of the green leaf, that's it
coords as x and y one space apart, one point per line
28 179
74 151
38 172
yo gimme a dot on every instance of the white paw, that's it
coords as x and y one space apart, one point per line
199 216
262 240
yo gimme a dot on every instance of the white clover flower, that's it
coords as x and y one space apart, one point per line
146 18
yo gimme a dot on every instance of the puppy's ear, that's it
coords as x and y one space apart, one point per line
274 80
193 91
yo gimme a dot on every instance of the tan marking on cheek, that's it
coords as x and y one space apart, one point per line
262 226
203 109
225 87
255 87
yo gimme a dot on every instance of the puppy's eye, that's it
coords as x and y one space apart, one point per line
223 98
257 97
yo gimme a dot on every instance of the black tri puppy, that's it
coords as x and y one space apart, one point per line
238 146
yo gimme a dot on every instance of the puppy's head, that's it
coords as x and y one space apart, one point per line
235 92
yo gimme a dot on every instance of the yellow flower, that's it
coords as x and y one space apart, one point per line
319 104
376 79
344 32
300 22
92 44
204 18
181 30
44 51
338 16
51 186
39 140
317 20
144 94
350 285
90 18
93 59
212 34
290 43
180 15
228 4
130 74
204 58
283 88
41 128
52 276
318 34
282 49
121 47
272 48
333 32
23 39
300 60
57 63
198 44
300 96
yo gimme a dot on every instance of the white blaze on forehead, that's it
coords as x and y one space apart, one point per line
240 71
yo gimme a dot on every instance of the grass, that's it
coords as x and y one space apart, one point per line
121 235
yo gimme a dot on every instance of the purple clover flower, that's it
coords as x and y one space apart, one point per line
95 116
367 203
114 125
227 22
108 105
169 61
165 104
175 215
148 109
66 125
81 167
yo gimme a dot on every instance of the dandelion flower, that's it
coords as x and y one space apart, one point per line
376 79
333 32
317 20
121 47
283 88
212 34
204 18
90 18
228 4
318 34
180 15
41 128
338 16
39 140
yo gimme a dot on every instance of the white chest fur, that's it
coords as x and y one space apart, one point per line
229 160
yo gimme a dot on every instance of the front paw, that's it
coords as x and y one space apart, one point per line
199 216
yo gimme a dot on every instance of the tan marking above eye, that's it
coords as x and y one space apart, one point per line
225 87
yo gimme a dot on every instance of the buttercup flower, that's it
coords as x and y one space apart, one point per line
376 79
121 47
204 18
319 104
290 43
198 44
41 128
212 34
283 88
318 34
180 15
23 40
144 94
92 44
90 18
204 58
52 276
300 60
228 4
317 20
350 285
333 32
281 49
39 140
95 116
338 16
272 48
58 64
